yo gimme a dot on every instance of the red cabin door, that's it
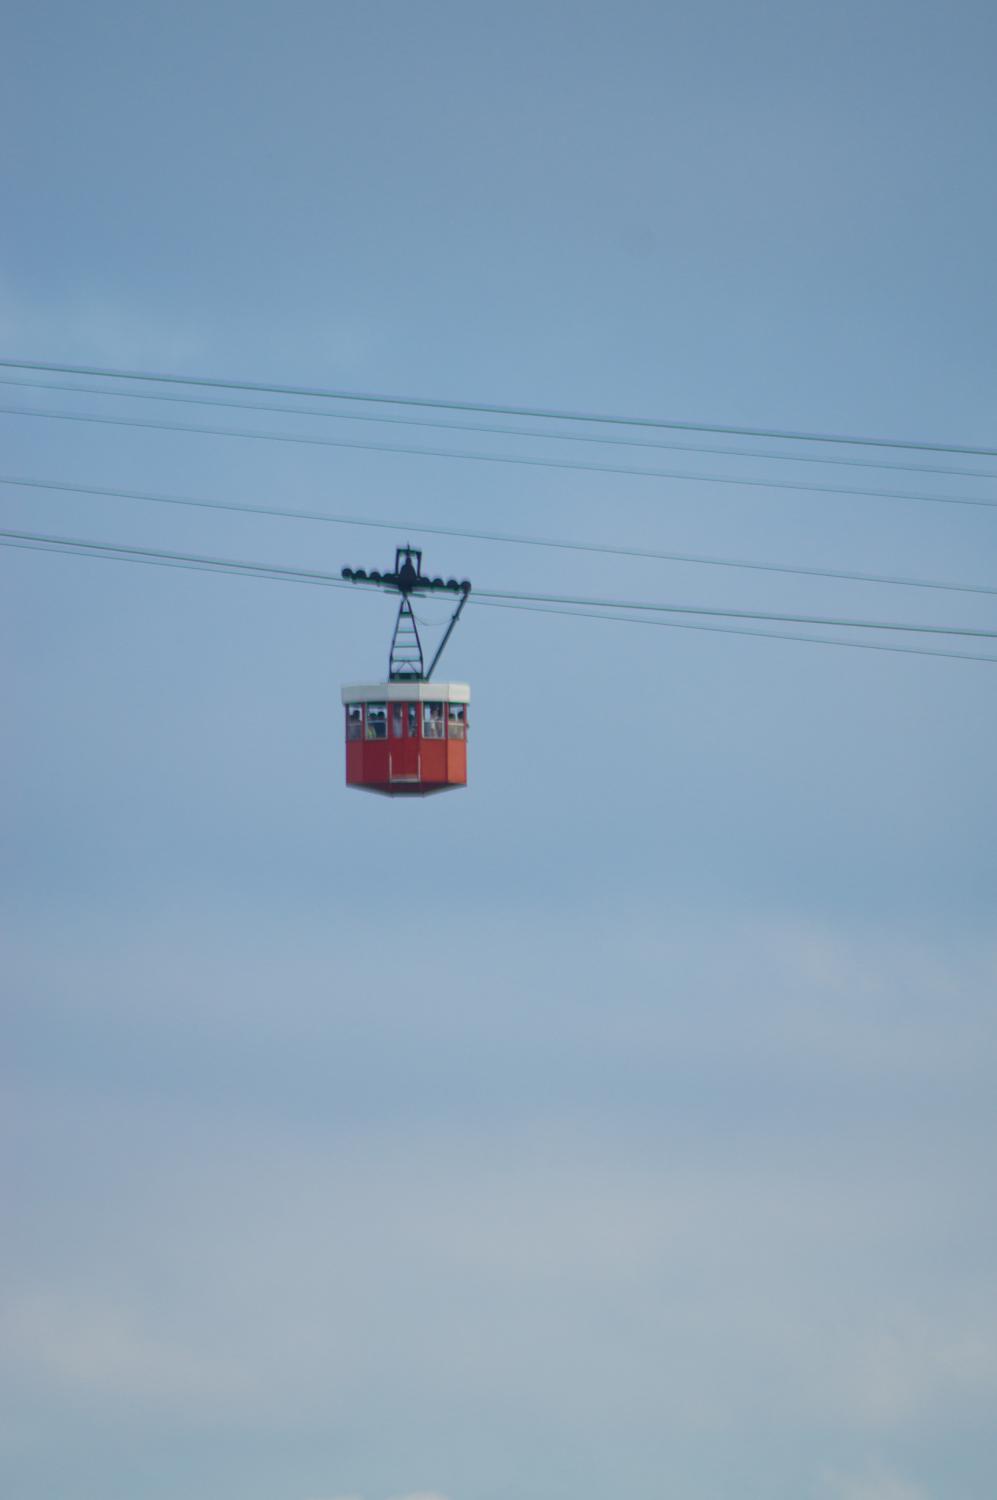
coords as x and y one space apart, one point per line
404 762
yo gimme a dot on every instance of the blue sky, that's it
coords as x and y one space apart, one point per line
622 1124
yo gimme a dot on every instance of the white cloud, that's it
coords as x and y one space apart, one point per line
97 1346
303 1262
901 1370
415 1495
876 1485
99 329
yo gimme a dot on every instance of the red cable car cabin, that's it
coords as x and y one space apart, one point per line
406 739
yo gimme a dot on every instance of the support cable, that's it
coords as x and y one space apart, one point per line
578 466
550 435
316 575
608 549
201 565
537 413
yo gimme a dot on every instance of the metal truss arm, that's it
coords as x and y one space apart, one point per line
448 632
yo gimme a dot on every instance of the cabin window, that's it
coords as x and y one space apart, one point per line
412 711
432 721
354 721
397 721
457 717
377 721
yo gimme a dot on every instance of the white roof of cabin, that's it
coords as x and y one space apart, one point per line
406 692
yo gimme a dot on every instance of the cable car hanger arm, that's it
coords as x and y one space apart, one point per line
405 660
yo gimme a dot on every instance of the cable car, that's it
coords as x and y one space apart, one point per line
407 737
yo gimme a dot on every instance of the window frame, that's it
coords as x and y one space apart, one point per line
456 717
434 726
375 738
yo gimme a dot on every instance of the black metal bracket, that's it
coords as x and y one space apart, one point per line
405 661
